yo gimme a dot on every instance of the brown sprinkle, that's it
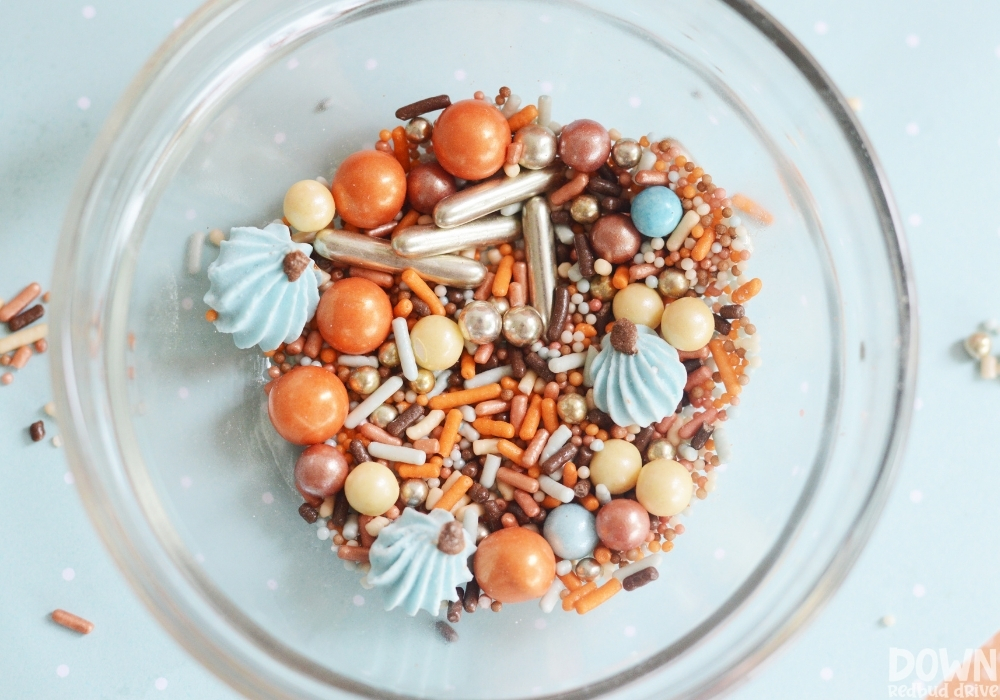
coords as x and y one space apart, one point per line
640 578
308 513
446 631
451 540
73 622
625 337
25 317
415 109
37 431
295 264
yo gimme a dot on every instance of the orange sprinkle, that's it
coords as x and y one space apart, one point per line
505 248
449 432
452 495
550 503
384 135
468 365
569 602
403 309
327 356
416 283
698 231
422 400
602 554
534 472
590 502
620 280
523 118
549 416
501 282
464 397
752 209
680 161
211 315
492 428
430 470
529 426
591 600
508 449
747 291
703 246
509 383
643 141
571 581
726 371
409 219
400 148
569 475
689 192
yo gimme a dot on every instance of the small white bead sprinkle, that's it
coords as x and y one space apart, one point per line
597 445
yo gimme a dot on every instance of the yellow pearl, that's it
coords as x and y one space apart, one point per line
437 342
640 304
424 382
309 206
371 488
616 466
687 324
664 487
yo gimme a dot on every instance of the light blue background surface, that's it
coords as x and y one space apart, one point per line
927 77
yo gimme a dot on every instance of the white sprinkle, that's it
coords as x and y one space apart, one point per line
323 533
489 474
597 445
559 438
357 361
468 413
555 489
644 563
404 348
376 399
680 234
583 472
486 446
425 425
433 496
527 383
564 234
397 454
602 267
470 521
376 524
603 495
551 597
440 384
490 376
57 440
887 620
468 432
565 363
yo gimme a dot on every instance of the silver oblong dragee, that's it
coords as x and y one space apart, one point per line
487 197
540 251
422 241
374 254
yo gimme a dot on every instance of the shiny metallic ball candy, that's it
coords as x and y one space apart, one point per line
500 304
660 449
383 415
424 381
587 569
601 288
626 153
673 283
585 209
572 408
978 345
418 130
539 146
388 354
364 380
482 532
522 326
413 492
480 322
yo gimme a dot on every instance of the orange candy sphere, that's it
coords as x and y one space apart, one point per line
470 139
514 565
307 405
354 316
369 188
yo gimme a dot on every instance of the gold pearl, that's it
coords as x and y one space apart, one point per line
584 209
660 449
309 205
383 415
424 381
673 283
572 408
601 288
364 380
388 354
978 345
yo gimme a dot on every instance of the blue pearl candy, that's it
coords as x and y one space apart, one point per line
571 531
656 211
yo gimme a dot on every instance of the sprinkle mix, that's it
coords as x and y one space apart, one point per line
509 347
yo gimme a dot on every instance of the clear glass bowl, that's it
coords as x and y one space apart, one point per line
167 430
